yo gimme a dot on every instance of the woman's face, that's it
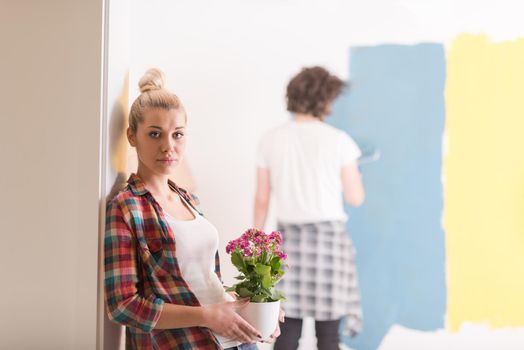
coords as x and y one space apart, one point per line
160 141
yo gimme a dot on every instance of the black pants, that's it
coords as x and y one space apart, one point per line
326 332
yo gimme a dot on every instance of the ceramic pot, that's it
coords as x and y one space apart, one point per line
262 316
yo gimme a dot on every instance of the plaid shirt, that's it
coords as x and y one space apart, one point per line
142 272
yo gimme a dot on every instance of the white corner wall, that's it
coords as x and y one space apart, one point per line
229 61
116 73
50 87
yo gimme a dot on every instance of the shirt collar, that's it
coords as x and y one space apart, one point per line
138 187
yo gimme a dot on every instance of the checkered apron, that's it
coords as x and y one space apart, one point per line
321 280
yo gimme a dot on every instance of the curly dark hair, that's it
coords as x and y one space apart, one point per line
312 91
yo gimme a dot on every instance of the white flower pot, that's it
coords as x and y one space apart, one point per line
262 316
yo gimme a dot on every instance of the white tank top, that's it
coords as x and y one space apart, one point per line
196 245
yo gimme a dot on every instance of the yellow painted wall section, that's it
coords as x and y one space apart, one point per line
119 118
484 182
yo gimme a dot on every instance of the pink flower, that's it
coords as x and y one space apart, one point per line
276 236
281 255
254 241
251 233
230 247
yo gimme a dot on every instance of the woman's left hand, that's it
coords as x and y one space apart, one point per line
276 333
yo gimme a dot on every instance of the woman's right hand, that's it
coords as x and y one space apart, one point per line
223 320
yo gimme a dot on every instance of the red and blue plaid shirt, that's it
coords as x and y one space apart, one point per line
142 272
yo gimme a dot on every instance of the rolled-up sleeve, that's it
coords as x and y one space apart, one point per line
124 303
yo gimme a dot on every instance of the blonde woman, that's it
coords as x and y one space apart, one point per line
162 276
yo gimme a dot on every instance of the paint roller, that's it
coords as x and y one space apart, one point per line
370 153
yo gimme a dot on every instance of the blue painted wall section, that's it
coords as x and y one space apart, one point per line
396 105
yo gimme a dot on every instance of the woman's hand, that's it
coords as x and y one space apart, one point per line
276 333
223 320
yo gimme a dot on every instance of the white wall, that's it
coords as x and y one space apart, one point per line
230 60
50 69
117 66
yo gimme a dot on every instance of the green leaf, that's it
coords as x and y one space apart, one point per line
231 289
244 292
237 260
266 281
258 298
262 269
278 295
266 292
275 264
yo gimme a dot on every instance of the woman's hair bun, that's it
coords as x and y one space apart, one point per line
153 79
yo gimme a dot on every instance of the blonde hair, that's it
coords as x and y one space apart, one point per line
152 95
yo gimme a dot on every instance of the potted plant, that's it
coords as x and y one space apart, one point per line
259 259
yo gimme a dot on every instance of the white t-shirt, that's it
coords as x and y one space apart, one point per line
196 245
305 161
